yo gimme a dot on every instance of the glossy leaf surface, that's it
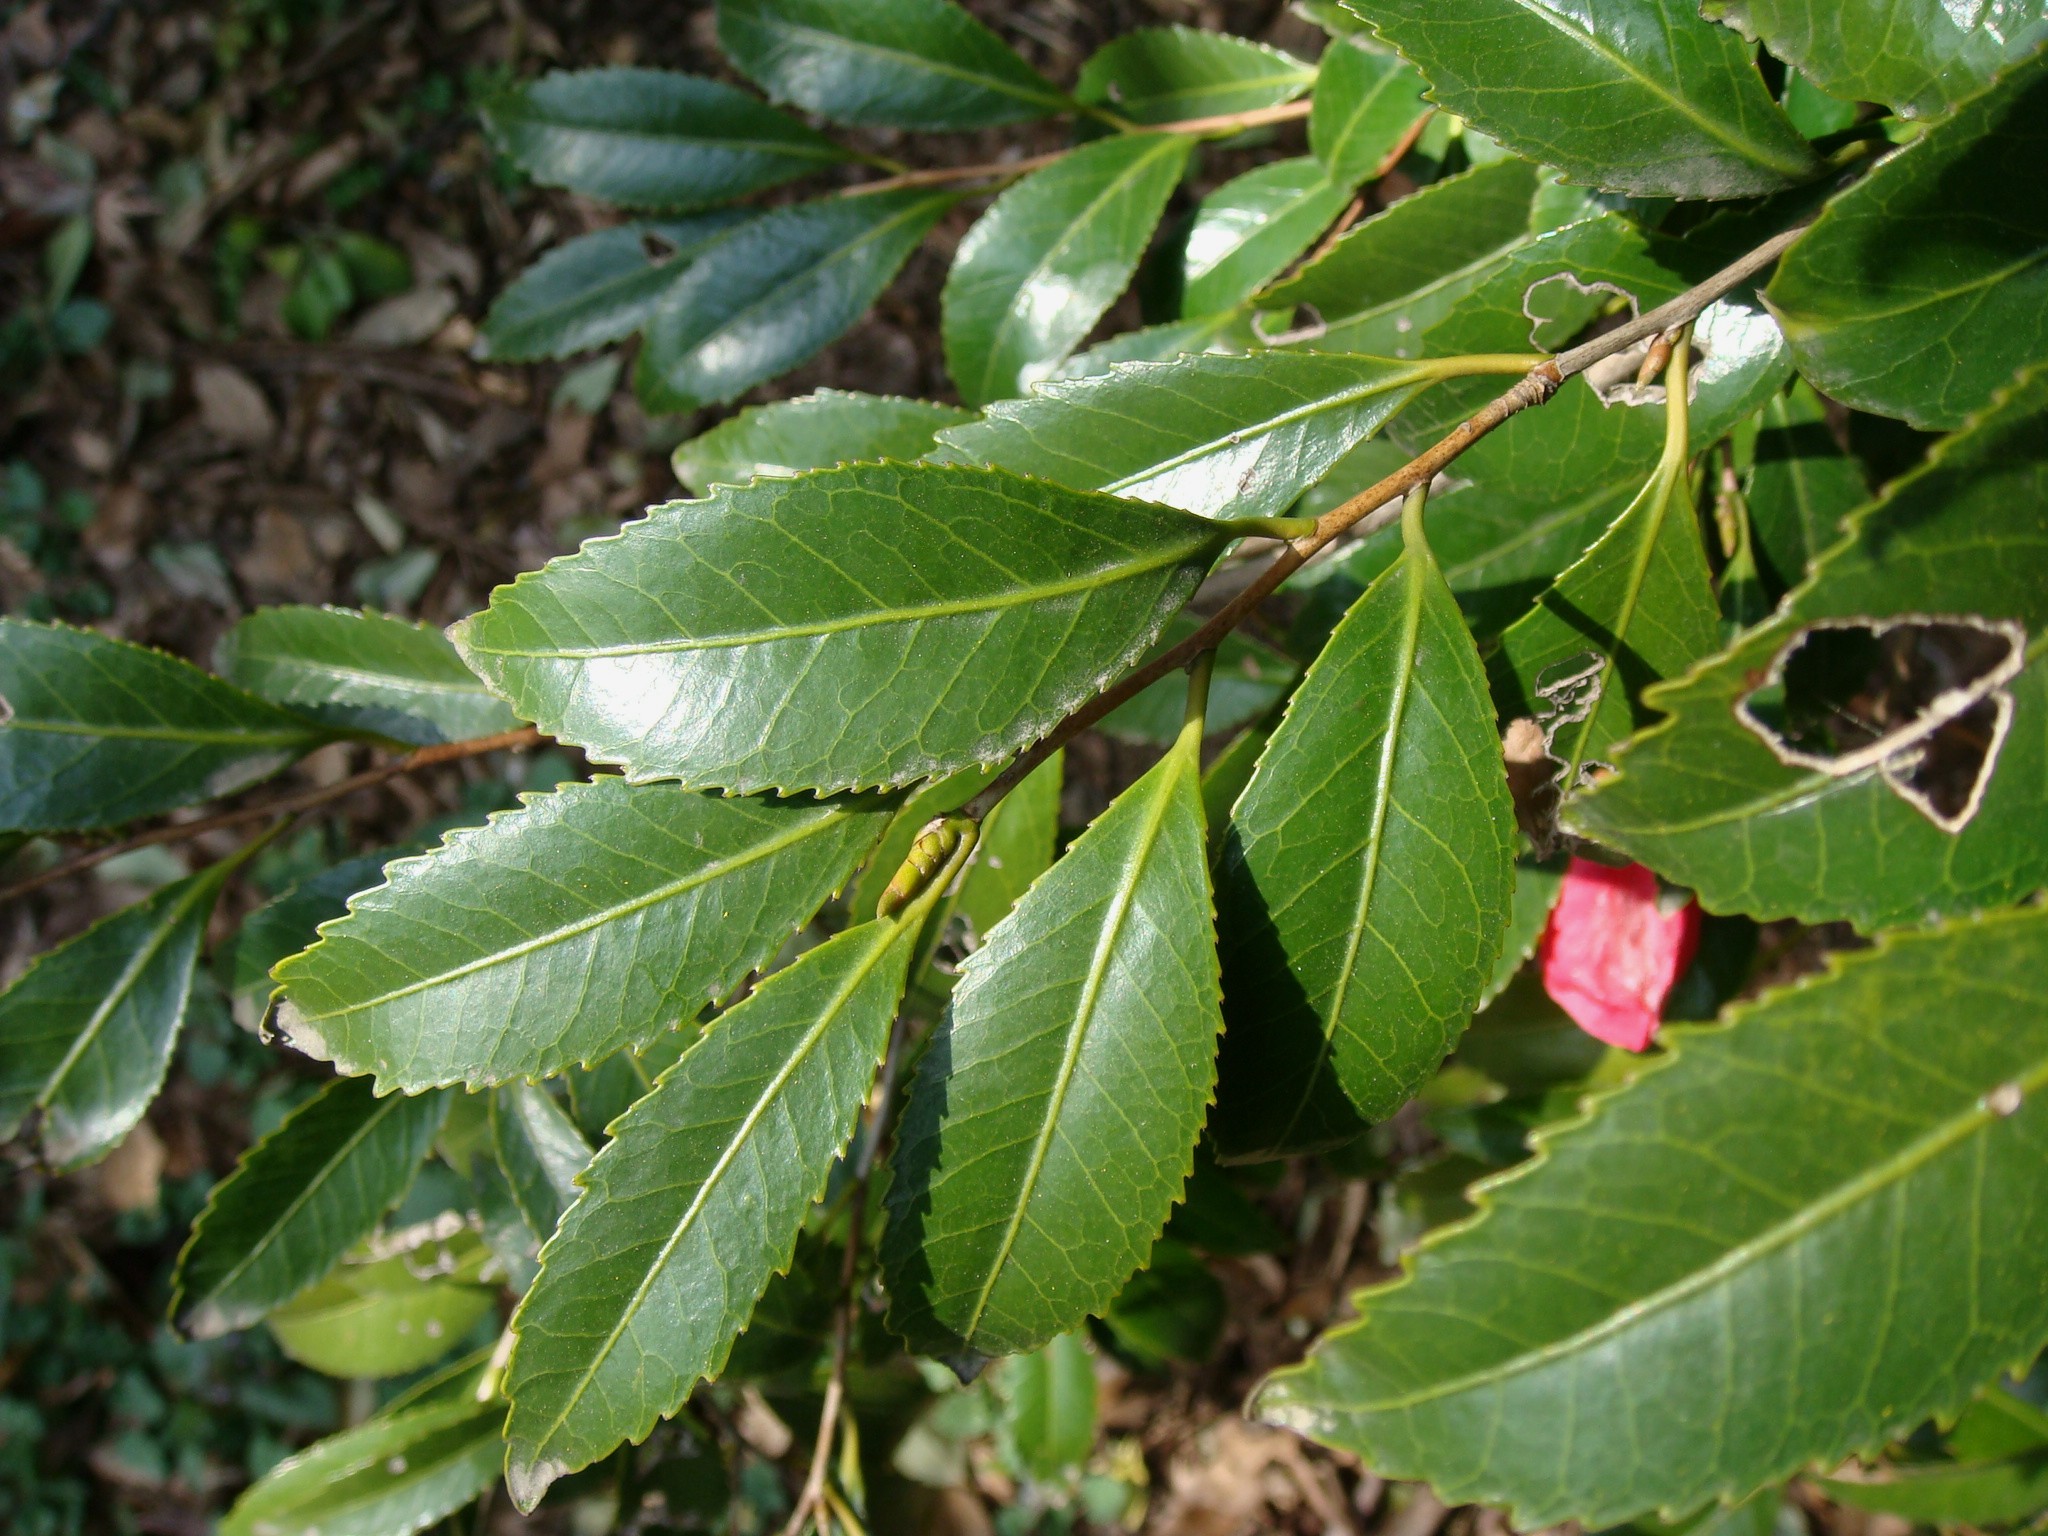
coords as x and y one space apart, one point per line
894 63
694 1204
96 732
1367 874
594 917
387 1316
284 926
1634 96
651 138
1054 1115
1038 269
1848 1244
539 1150
1170 74
364 673
775 290
1251 227
834 426
1365 104
1890 307
299 1200
868 625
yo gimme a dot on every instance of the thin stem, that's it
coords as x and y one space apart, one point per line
1376 506
287 805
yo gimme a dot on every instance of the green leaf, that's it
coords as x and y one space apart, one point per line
1171 74
819 431
1231 332
598 288
600 1093
1016 847
284 926
1951 1492
1039 268
892 63
1173 1309
1212 434
775 290
1637 96
363 673
1054 1114
95 732
1801 487
540 1151
1366 878
1250 678
86 1033
398 1471
791 634
389 1314
592 918
1919 57
1536 889
298 1201
1635 609
651 138
1249 229
1364 105
1722 1279
1890 306
1704 800
1049 1406
1438 240
694 1204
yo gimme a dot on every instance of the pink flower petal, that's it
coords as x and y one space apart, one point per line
1610 957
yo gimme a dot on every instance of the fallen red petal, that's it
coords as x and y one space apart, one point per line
1610 957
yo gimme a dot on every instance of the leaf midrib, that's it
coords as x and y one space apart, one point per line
217 738
285 662
801 149
1015 90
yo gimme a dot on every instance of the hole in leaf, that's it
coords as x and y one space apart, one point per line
656 246
1562 309
1944 775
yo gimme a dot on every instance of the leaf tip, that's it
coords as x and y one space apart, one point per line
528 1481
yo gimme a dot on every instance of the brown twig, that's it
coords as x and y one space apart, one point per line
286 805
1378 504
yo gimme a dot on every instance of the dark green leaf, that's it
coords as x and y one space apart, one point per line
1219 1218
694 1204
818 431
389 1314
1250 678
1365 103
285 926
1251 227
1919 57
1170 74
592 918
1975 1493
598 288
298 1201
1536 888
1635 96
792 634
1173 1309
1705 800
605 1090
1801 487
1924 287
895 63
651 138
1775 1282
95 732
1054 1114
1049 1406
1039 268
86 1033
1367 874
540 1152
775 290
364 673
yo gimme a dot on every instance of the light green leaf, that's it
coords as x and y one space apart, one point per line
298 1201
540 1151
1919 57
1801 486
95 732
832 427
86 1033
694 1204
390 1313
1039 268
363 673
775 290
1946 1493
1171 74
1249 229
1723 1281
1054 1115
1891 306
1634 96
1364 105
598 288
1212 434
893 63
592 918
1366 877
795 635
651 138
1049 1406
1704 799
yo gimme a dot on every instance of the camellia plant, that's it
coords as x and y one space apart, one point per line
784 1047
